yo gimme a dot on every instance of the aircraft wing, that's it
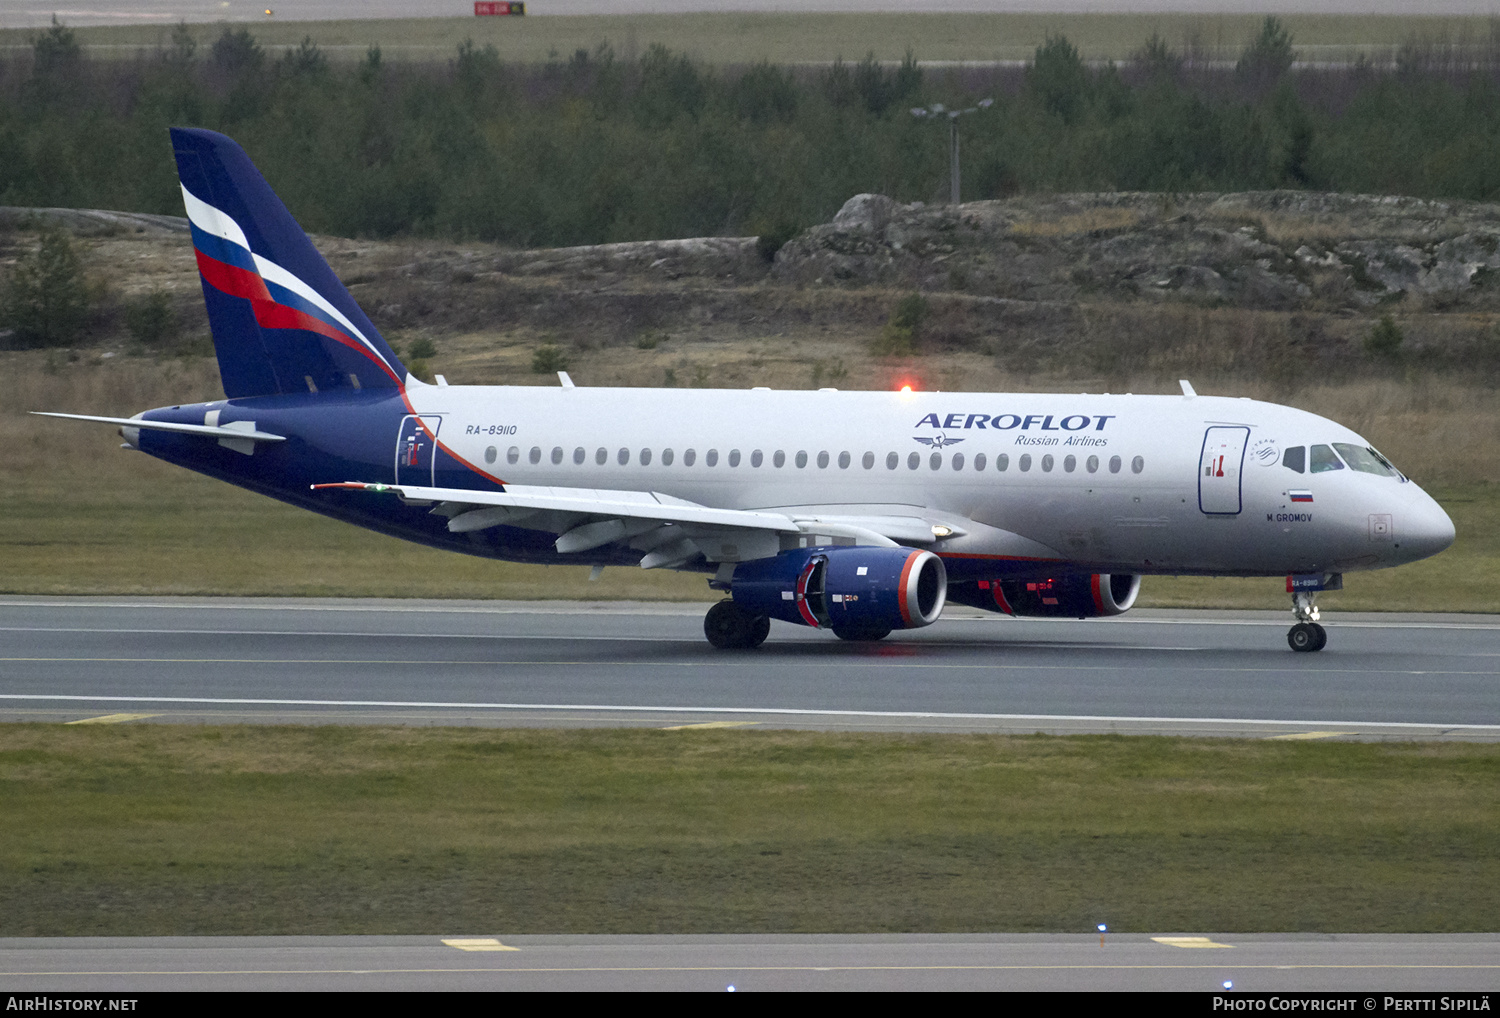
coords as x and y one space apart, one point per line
669 531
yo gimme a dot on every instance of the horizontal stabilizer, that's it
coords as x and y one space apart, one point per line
227 432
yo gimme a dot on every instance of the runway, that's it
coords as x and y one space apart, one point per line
1462 964
245 660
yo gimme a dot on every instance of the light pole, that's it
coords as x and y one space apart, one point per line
938 110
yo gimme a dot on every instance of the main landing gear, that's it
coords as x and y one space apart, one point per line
730 627
1306 636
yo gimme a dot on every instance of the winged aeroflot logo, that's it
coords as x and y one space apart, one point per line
939 442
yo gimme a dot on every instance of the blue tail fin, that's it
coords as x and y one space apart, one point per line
281 320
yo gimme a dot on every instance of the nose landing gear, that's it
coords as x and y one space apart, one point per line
1306 636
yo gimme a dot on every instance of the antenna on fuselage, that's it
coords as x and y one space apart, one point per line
1187 388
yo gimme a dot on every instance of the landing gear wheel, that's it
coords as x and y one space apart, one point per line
862 635
1306 637
730 627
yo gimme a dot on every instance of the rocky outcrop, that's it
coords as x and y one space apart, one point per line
1268 250
91 222
693 256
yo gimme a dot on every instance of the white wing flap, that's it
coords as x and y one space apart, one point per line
602 503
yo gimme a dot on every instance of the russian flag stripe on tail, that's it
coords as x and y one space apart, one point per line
279 315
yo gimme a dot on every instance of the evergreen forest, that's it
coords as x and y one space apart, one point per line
592 148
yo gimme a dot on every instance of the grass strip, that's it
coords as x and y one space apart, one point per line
161 829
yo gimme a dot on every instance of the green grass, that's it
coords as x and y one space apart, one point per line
745 37
145 829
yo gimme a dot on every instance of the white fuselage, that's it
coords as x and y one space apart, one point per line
1155 484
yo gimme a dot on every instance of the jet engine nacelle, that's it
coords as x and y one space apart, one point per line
849 590
1073 597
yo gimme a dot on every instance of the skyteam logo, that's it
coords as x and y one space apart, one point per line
278 298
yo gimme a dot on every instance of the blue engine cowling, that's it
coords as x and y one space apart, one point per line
1078 597
858 589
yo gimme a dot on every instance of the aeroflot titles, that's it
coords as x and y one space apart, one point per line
1008 422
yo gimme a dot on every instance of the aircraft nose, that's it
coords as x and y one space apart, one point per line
1427 530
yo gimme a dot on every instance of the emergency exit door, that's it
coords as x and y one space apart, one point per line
416 444
1220 469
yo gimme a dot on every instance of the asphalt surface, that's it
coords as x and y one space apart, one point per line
155 660
1369 966
496 663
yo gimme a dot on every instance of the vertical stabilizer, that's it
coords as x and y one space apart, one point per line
281 320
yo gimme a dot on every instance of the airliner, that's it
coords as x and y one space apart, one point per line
859 513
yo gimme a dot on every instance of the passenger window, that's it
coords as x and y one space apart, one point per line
734 457
645 457
712 459
1092 464
557 455
1024 462
1137 465
536 454
1324 460
578 456
979 461
913 461
892 461
936 461
601 456
1002 462
958 461
689 457
823 460
623 457
666 457
1295 458
1047 463
513 455
801 460
490 454
1070 463
779 459
1114 464
757 458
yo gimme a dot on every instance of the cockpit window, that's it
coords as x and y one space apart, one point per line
1295 458
1323 459
1365 459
